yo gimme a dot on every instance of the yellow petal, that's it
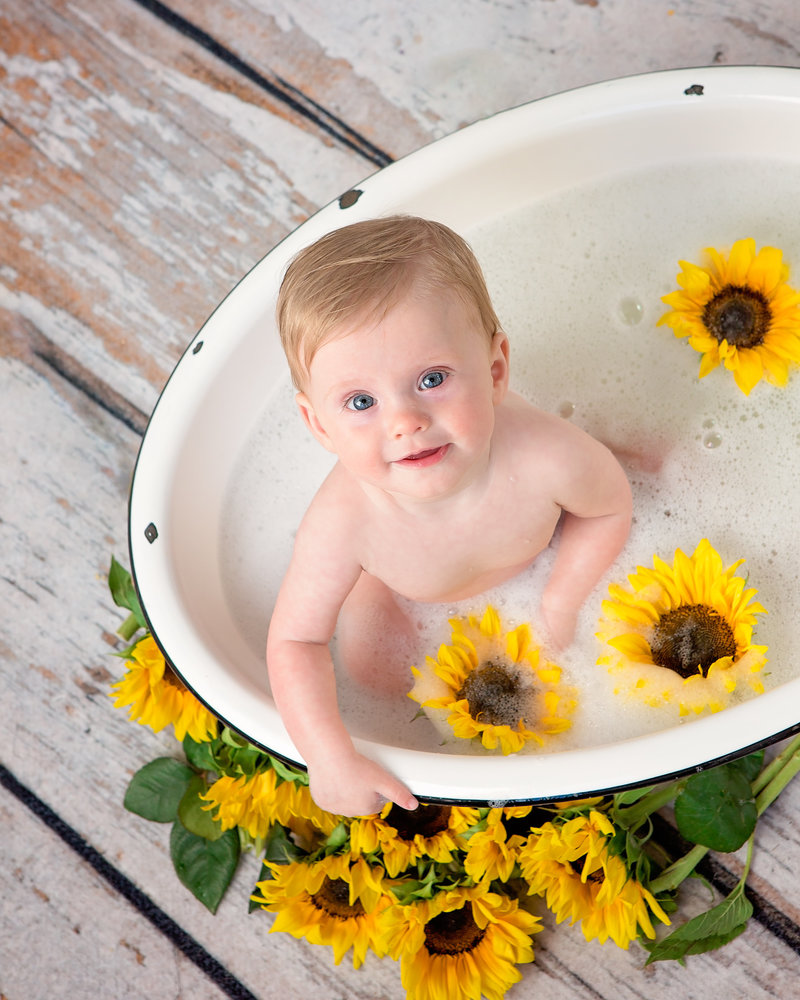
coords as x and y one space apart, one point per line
767 271
741 257
748 369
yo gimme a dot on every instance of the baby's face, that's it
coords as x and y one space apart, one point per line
407 403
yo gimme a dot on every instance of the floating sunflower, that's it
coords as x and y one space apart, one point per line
325 904
682 634
492 687
462 944
158 697
739 312
581 879
403 836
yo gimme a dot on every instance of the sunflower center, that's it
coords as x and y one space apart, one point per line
739 315
497 695
425 820
453 932
333 897
172 678
690 638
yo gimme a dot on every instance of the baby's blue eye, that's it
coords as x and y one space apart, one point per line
432 380
360 402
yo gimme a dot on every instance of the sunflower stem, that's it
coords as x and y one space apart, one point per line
750 845
767 787
775 766
129 627
632 817
789 768
672 877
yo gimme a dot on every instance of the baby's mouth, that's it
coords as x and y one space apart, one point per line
426 457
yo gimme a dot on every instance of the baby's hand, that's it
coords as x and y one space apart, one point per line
354 785
559 626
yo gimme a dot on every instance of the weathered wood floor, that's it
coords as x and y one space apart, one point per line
150 154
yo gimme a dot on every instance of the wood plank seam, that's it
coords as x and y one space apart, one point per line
277 87
93 388
193 950
23 340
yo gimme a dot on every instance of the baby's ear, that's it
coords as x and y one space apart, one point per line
499 365
309 415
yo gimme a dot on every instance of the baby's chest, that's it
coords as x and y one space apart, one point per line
451 561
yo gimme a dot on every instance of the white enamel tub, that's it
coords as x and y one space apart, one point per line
204 562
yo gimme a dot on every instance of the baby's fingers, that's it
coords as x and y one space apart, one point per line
395 791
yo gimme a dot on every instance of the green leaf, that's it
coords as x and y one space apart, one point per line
232 738
205 867
287 772
337 838
716 808
157 788
194 817
750 765
200 755
706 931
247 759
123 593
631 795
280 849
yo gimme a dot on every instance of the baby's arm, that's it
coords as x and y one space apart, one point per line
595 497
322 572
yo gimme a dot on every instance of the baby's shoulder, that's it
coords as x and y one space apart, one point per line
531 428
544 442
337 504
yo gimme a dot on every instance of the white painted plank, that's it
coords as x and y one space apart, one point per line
145 176
140 181
446 66
65 933
62 512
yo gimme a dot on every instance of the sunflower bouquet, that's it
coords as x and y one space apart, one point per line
456 894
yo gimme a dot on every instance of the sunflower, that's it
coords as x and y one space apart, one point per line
366 881
327 903
581 879
739 312
492 687
462 944
255 802
158 697
682 634
491 852
403 836
307 820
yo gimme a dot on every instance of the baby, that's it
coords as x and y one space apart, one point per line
446 484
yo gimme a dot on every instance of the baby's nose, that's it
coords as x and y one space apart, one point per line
408 418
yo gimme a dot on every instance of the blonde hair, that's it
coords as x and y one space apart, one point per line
361 271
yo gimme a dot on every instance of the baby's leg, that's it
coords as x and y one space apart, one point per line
375 638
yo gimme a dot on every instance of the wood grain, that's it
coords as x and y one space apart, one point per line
160 178
444 68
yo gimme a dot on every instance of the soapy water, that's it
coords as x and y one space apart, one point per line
577 280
